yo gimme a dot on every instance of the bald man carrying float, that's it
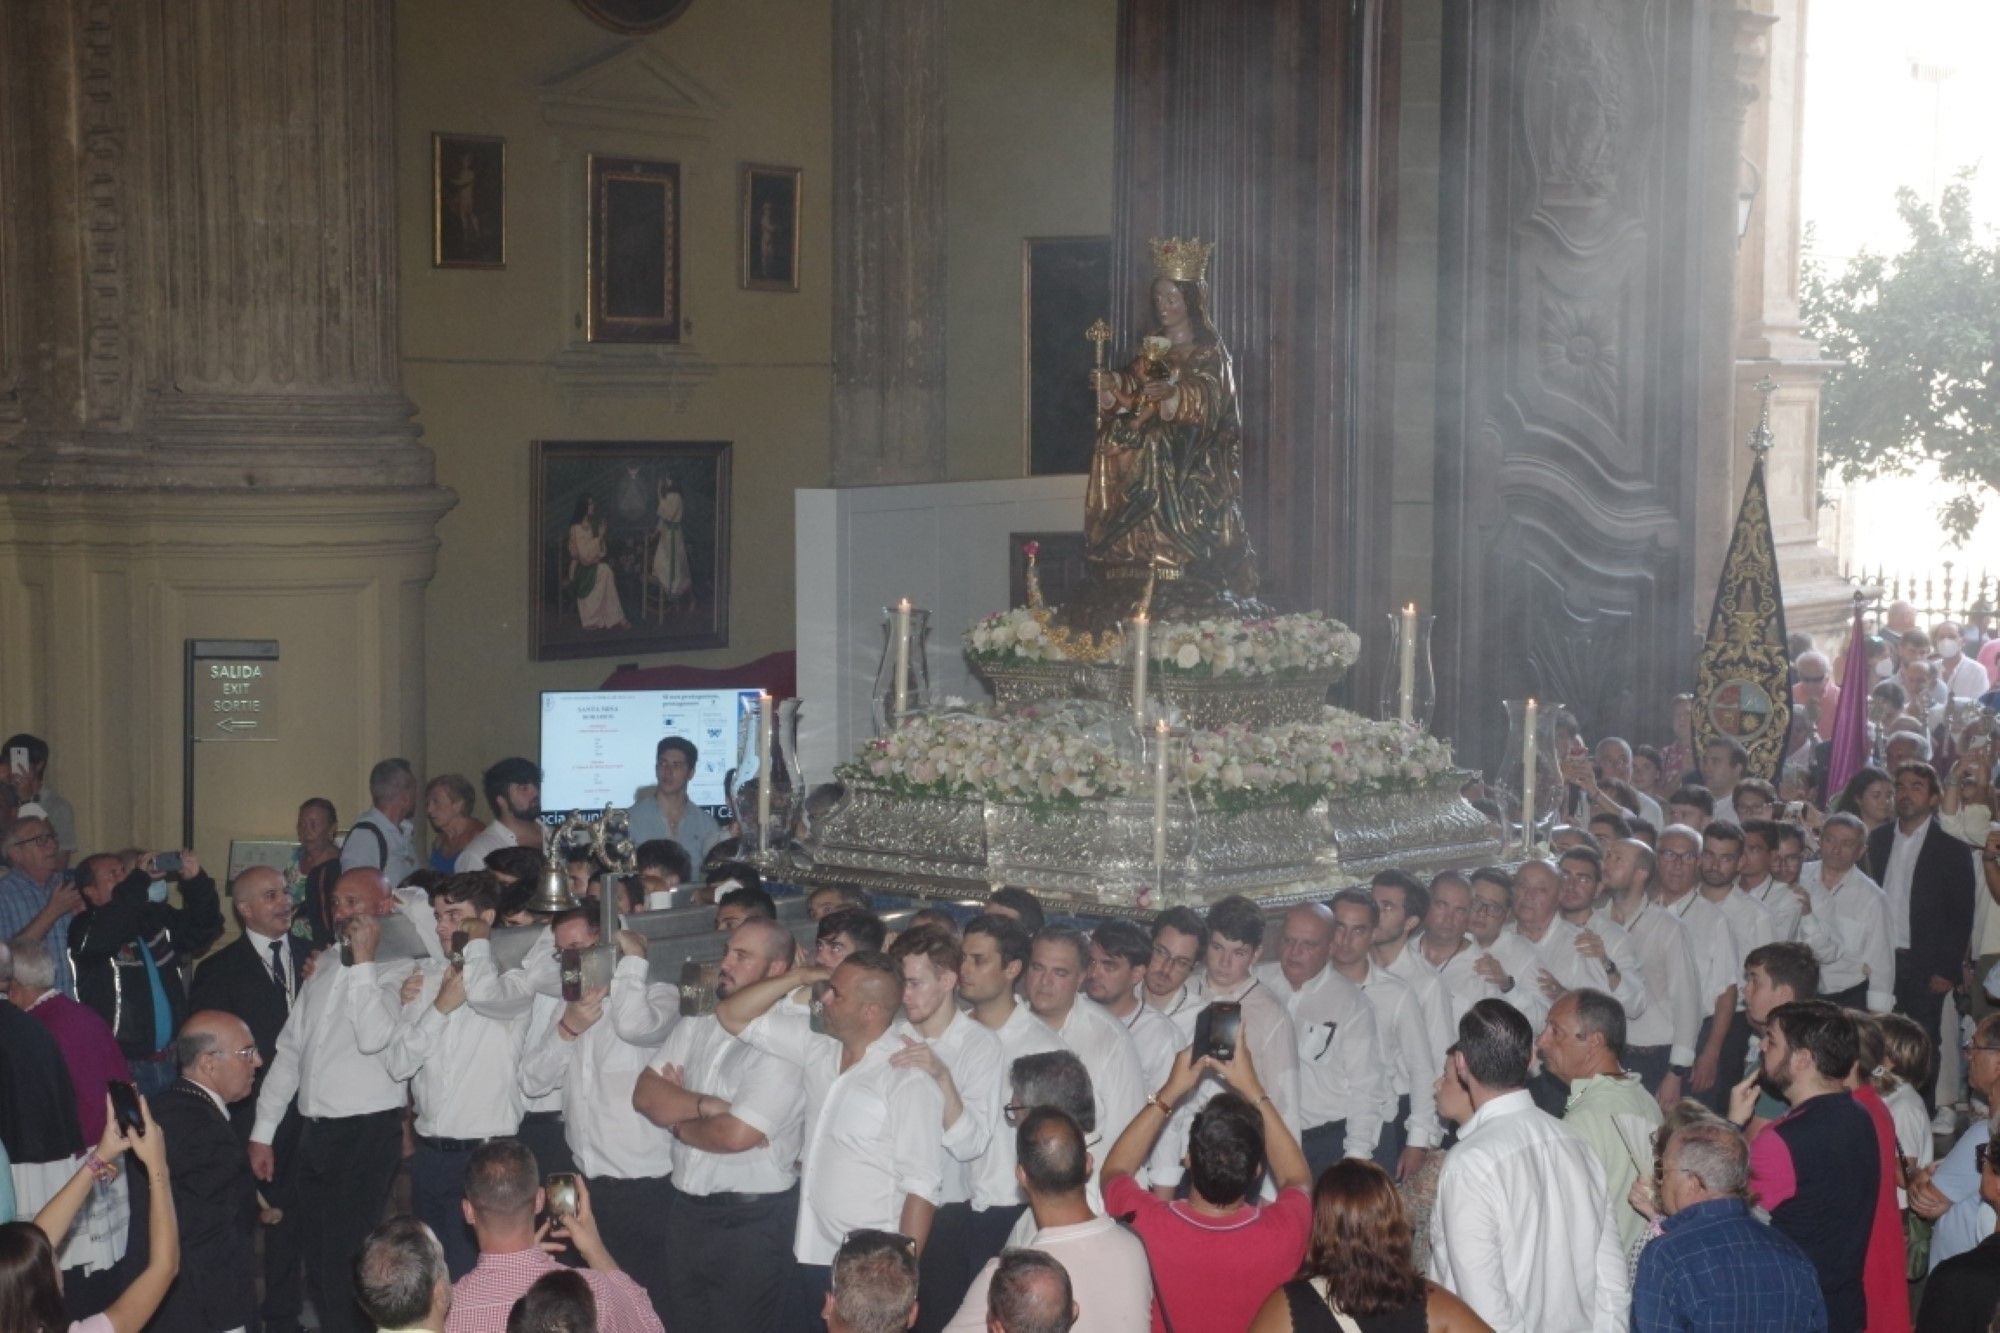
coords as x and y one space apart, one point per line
257 977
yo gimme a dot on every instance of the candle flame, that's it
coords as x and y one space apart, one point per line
1161 726
903 605
1410 610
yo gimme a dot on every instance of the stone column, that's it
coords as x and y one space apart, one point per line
1770 340
203 432
888 241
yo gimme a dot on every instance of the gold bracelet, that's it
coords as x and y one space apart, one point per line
1153 1099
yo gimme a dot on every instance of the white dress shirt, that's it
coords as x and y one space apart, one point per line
320 1056
1411 1050
1716 956
1106 1049
991 1176
1783 905
1673 982
1109 1276
1428 983
1557 952
394 855
1156 1040
1338 1050
1849 931
972 1053
488 840
597 1071
1897 877
1963 677
1520 961
874 1135
763 1092
464 1068
1749 925
1630 991
1522 1229
1459 985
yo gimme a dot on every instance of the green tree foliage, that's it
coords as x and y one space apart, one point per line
1919 336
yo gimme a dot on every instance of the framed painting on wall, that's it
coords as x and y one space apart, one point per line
770 228
1065 288
468 201
630 547
634 263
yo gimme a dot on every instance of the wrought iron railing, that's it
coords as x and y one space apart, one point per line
1939 594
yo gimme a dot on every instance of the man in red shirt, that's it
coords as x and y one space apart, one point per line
1215 1254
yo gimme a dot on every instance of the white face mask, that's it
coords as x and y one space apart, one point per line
1947 648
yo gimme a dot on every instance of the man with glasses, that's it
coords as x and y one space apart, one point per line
215 1196
1948 1191
36 898
1844 917
1814 690
1723 1045
1503 965
1180 937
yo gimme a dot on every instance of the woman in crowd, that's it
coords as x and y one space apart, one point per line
1419 1187
448 803
31 1299
1897 1050
1358 1272
1870 796
315 866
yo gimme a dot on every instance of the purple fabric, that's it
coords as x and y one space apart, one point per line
1848 748
91 1053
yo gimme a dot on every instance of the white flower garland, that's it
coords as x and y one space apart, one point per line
1292 645
1063 756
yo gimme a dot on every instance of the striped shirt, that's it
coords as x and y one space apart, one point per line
482 1299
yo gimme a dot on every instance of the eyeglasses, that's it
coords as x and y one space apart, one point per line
1173 964
247 1053
1679 856
1812 680
1013 1111
35 841
1480 907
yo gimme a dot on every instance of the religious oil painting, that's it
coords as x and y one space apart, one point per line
468 201
631 547
770 228
635 251
1065 288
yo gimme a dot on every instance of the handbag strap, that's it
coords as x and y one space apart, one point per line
1346 1321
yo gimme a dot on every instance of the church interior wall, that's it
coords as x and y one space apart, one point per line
494 359
1414 404
1028 105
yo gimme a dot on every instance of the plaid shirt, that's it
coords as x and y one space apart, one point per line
1716 1269
21 901
482 1299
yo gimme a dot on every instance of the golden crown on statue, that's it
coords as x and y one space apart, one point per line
1181 260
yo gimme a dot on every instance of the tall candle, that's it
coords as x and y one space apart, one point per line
1141 660
763 771
1406 685
1159 802
902 698
1528 779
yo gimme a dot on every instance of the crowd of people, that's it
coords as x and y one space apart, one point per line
1689 1069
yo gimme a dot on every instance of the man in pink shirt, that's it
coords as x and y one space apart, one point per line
1216 1254
502 1196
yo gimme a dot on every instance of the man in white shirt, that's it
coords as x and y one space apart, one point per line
380 838
1120 953
1579 874
593 1053
1566 958
1444 950
463 1067
1107 1264
874 1154
1056 964
1756 882
1401 904
664 811
1230 975
1721 862
1660 1043
351 1105
1962 676
1844 917
994 954
1724 763
1343 1079
1723 1045
1409 1048
1503 966
738 1118
1522 1230
1614 763
514 793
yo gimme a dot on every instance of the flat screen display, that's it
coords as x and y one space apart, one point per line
598 745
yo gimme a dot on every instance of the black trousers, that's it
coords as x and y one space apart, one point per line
1854 997
1650 1063
284 1277
1324 1145
732 1261
1915 998
962 1239
1729 1069
548 1139
1395 1137
632 1218
346 1166
437 1184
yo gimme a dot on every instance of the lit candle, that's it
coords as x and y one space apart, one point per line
1528 778
1141 656
902 698
1406 686
763 771
1160 801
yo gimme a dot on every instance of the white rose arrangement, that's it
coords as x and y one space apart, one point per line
1274 648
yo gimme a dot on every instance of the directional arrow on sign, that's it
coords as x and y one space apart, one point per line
237 724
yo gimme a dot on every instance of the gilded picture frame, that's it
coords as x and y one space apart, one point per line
770 228
468 201
629 547
633 264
